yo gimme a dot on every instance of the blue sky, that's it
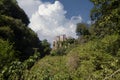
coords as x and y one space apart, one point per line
50 18
76 7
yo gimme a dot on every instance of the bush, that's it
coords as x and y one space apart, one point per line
14 71
59 51
7 53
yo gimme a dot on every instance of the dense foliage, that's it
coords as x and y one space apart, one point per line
17 42
106 15
24 39
10 8
95 55
82 29
5 59
88 61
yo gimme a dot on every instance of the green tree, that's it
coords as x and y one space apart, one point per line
13 21
82 29
6 32
11 8
24 38
7 53
106 15
70 40
46 47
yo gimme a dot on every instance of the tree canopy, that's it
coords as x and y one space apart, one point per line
13 21
82 29
11 8
96 57
106 15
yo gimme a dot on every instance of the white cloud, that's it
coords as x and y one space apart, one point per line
29 6
49 20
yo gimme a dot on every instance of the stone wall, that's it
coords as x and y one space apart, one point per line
57 43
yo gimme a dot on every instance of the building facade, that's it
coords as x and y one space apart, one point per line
57 43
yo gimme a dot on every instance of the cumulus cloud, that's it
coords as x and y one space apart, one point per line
49 21
29 6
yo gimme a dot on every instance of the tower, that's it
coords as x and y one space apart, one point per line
57 43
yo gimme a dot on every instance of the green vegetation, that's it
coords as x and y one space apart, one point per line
89 61
10 8
5 59
82 29
106 14
17 42
95 55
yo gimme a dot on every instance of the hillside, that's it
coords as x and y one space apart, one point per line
89 61
94 55
18 43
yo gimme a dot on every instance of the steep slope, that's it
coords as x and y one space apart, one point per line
15 31
11 8
89 61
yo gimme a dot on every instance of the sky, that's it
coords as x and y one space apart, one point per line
50 18
76 7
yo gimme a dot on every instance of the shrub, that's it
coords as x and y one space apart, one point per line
7 53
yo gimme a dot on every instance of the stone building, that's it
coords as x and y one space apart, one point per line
57 43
